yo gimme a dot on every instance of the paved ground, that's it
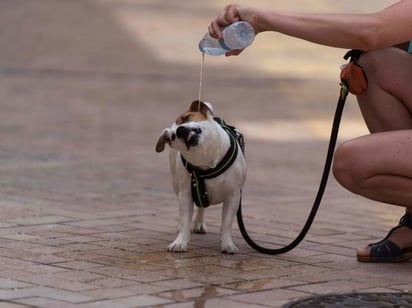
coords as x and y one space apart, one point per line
87 208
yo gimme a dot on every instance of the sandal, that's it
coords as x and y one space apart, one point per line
385 251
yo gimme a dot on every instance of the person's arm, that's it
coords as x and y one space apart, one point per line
388 27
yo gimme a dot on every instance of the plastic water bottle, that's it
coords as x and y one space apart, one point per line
238 35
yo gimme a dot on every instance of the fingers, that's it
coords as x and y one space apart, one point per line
231 14
228 16
214 30
234 52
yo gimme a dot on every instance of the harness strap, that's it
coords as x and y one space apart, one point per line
198 187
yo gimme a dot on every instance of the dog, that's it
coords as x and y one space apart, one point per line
198 140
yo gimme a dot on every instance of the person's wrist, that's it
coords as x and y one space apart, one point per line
257 19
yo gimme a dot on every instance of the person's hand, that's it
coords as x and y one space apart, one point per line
229 15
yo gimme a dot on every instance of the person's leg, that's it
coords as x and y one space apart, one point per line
387 103
379 166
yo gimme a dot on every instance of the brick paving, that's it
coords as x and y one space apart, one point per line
87 208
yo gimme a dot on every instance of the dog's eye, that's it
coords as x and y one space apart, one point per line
173 137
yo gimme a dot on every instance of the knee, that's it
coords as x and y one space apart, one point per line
346 167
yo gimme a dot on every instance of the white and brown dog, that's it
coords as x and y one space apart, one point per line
207 167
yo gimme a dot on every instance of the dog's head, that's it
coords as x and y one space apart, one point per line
189 130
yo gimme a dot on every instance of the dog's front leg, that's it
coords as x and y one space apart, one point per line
230 207
199 225
185 221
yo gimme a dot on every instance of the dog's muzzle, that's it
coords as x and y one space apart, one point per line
189 135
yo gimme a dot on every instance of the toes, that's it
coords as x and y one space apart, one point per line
229 249
199 228
177 247
363 252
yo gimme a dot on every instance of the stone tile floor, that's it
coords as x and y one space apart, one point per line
87 208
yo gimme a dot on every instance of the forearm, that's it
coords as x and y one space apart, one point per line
343 31
388 27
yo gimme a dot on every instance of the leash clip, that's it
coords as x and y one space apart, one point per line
353 75
344 90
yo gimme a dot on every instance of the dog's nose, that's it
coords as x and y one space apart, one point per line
182 132
197 130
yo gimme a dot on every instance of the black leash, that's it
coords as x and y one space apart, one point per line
322 186
352 78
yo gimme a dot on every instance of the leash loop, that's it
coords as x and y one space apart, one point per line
353 80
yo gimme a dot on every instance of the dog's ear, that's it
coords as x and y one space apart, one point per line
163 139
202 107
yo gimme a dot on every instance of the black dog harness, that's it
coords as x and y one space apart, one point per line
199 176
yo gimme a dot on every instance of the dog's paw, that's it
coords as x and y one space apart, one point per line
177 246
199 228
229 248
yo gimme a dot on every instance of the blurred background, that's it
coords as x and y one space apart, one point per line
86 87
